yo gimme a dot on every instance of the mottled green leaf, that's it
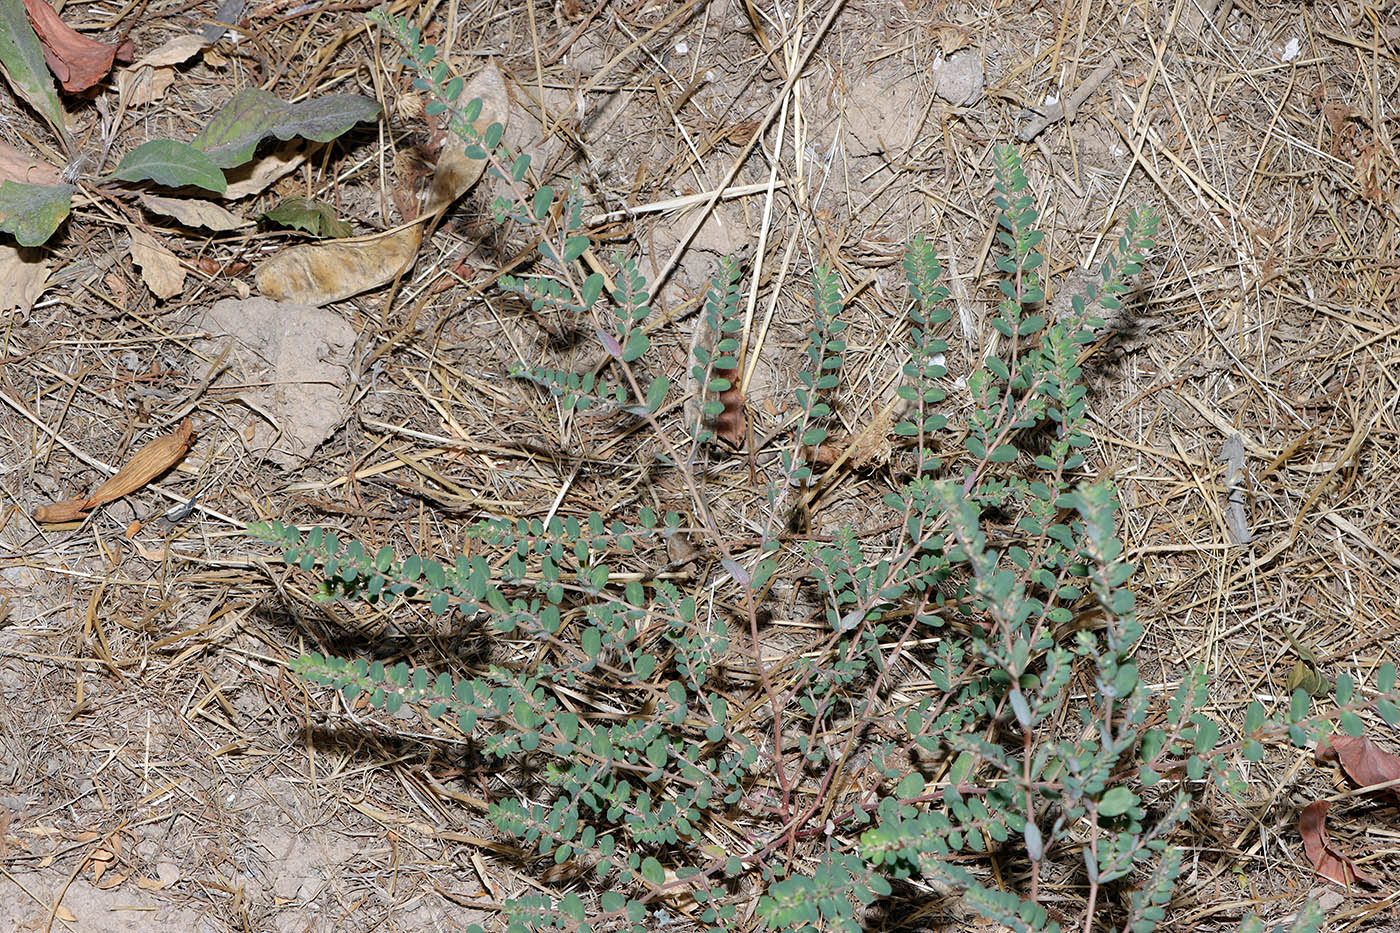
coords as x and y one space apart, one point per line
22 61
33 212
254 114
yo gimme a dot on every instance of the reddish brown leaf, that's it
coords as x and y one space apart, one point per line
1362 760
77 61
1326 861
731 424
16 165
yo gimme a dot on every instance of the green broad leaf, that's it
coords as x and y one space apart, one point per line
1117 801
253 115
315 217
33 212
592 288
22 61
172 164
1253 751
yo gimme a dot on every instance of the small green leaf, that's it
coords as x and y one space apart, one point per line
33 212
574 247
1385 677
1345 688
656 393
1351 723
652 871
539 205
172 164
1298 705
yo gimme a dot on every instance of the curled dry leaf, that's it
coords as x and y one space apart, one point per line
1326 861
194 213
146 464
319 273
160 268
23 274
732 423
1364 762
16 165
77 61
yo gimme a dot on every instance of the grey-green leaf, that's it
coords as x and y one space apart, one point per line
172 164
254 114
22 61
33 212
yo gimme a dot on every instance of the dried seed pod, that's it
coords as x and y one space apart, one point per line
146 464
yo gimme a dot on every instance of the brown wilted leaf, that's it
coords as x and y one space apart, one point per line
146 464
77 61
1363 761
1326 861
319 273
731 424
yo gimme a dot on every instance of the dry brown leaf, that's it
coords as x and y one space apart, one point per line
141 87
194 213
319 273
731 424
64 914
77 61
1363 761
153 74
173 52
146 464
160 268
254 177
455 173
16 165
24 271
1326 861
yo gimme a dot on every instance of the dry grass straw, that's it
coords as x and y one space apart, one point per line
145 697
